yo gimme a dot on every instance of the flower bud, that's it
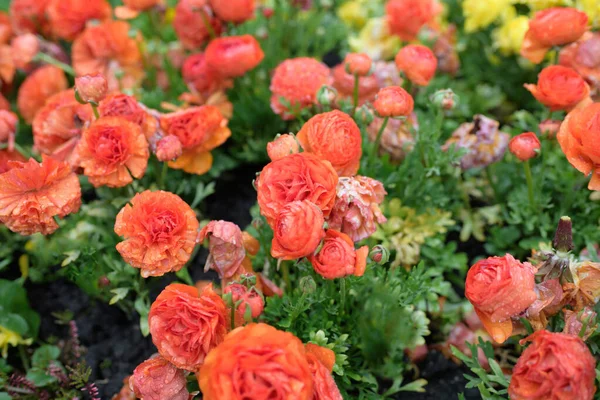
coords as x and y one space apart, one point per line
282 146
364 115
91 88
446 99
326 95
563 236
168 148
358 64
549 128
379 254
245 298
525 146
393 101
307 284
24 48
103 281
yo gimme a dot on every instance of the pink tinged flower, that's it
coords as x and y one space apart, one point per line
158 379
226 247
91 88
8 128
460 335
248 297
356 211
169 148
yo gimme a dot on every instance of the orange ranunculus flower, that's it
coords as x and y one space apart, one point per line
559 88
338 258
29 16
124 106
236 11
186 325
343 82
189 23
297 177
69 17
226 247
158 379
500 288
200 129
107 48
257 362
554 366
232 56
393 101
112 152
323 354
356 211
200 76
418 63
298 230
37 88
525 146
407 17
160 232
282 146
582 56
8 128
6 30
58 126
4 104
250 299
32 194
578 139
324 387
297 80
335 137
141 5
552 27
358 64
91 88
6 156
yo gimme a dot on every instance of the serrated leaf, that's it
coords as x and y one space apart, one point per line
120 294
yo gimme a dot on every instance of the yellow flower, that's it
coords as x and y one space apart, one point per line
8 337
509 37
537 5
592 9
479 14
352 14
375 40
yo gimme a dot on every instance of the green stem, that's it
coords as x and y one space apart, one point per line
53 61
286 275
208 26
184 275
95 110
490 176
375 146
408 86
343 294
163 175
355 95
233 307
529 179
24 359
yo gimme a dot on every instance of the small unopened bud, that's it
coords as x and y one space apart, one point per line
307 284
525 146
326 95
365 115
563 237
24 49
103 282
358 64
380 254
91 88
282 146
446 99
168 148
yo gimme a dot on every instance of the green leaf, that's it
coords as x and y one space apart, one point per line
44 355
120 294
39 377
5 396
15 323
501 379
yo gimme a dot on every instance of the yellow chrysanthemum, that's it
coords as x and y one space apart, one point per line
479 14
375 40
592 9
509 36
12 338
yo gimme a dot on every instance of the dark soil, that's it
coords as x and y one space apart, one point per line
115 345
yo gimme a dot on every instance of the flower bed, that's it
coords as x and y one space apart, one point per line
321 199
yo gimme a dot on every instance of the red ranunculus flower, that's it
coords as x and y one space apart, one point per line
338 258
232 56
407 17
418 63
500 288
559 88
393 101
190 25
298 230
525 146
554 366
236 11
186 325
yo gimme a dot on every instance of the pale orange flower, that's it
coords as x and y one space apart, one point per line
112 152
282 146
24 49
6 156
32 194
37 88
226 247
158 379
91 88
58 126
200 129
69 17
160 232
106 49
